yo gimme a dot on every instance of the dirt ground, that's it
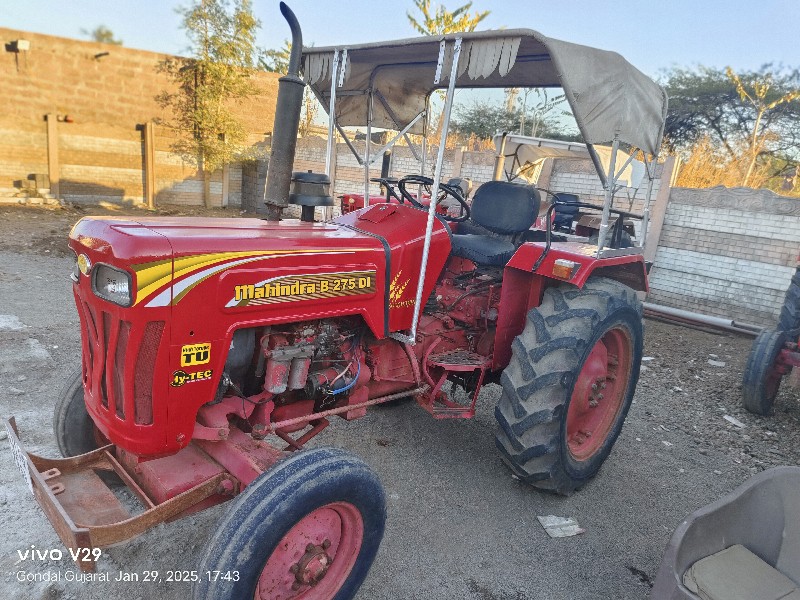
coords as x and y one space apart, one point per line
459 525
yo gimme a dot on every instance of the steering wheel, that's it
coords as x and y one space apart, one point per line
444 191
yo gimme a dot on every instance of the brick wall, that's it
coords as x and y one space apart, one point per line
105 97
727 252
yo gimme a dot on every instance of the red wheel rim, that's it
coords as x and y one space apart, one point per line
599 393
314 559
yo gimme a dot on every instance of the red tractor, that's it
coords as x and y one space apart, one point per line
774 354
214 350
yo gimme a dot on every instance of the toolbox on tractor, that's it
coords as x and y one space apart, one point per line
213 350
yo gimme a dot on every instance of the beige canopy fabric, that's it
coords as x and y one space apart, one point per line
522 154
608 96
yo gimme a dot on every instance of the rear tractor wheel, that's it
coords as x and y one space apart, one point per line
570 383
761 375
309 529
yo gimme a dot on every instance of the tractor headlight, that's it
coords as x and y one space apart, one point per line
112 284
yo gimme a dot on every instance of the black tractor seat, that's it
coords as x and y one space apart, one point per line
501 211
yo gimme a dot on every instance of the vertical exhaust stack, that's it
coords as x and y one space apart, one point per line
287 123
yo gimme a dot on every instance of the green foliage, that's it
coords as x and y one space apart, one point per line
102 34
753 115
759 95
218 74
443 21
484 119
276 61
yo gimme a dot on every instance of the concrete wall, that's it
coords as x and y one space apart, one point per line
727 252
97 102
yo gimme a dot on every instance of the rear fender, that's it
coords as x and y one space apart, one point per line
523 289
627 266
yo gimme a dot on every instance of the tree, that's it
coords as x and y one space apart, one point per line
484 119
539 114
276 61
709 109
443 21
102 34
218 74
763 103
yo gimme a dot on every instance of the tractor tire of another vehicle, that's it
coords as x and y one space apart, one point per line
570 383
789 319
310 527
761 377
73 427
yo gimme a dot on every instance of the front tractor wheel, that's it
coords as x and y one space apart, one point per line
570 383
308 528
74 429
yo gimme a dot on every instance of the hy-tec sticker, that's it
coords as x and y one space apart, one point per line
181 377
195 354
289 288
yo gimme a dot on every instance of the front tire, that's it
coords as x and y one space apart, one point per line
761 377
570 383
73 427
313 522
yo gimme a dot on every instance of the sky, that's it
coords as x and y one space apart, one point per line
654 36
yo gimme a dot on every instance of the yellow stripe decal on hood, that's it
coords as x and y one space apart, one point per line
154 275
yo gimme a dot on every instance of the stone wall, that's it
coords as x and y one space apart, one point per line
98 94
727 252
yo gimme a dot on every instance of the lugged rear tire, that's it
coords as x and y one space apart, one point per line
761 378
789 319
547 406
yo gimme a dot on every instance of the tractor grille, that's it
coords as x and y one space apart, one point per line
143 377
119 364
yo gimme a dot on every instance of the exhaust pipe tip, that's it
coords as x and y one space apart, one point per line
297 39
287 121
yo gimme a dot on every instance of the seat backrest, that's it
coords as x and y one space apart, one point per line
505 207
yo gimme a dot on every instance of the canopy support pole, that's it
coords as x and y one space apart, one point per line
393 141
651 175
340 130
598 165
331 115
396 121
437 178
610 183
500 159
367 148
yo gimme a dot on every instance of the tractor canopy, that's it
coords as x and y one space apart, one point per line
609 97
520 155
